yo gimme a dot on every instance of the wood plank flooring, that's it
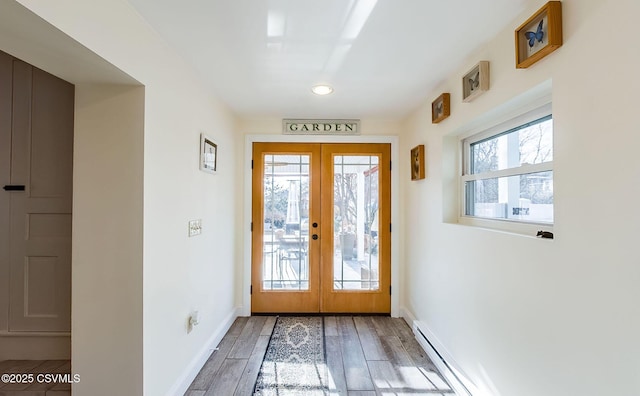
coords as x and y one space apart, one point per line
35 367
366 356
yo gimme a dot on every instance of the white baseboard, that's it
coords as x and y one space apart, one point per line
407 315
192 370
445 362
439 355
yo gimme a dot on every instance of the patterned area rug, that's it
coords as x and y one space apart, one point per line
295 362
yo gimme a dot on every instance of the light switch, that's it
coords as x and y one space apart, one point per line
195 227
192 321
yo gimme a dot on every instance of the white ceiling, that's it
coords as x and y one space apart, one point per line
382 57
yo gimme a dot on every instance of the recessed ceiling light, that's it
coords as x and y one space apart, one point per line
322 90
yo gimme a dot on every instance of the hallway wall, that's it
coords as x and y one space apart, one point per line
270 130
133 301
520 315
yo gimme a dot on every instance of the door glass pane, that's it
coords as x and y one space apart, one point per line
285 264
355 222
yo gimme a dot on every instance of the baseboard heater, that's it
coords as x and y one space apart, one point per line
452 375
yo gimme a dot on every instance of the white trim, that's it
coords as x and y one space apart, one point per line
451 370
189 374
510 226
395 207
407 315
520 170
518 226
525 116
460 381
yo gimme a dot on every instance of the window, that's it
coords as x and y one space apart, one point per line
508 170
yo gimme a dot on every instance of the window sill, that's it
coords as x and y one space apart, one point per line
507 226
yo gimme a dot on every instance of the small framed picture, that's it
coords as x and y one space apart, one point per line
208 154
476 81
539 35
417 163
440 108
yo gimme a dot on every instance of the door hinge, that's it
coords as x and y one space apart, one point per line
389 227
390 165
252 226
251 164
251 289
389 289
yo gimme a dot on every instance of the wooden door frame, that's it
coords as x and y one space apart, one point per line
396 160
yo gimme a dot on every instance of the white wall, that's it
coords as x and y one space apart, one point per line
560 318
519 315
106 296
270 130
170 274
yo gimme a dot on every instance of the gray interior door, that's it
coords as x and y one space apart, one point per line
41 160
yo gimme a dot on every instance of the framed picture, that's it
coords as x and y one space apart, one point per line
476 81
208 154
539 35
441 108
417 162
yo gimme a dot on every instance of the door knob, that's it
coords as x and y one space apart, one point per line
314 236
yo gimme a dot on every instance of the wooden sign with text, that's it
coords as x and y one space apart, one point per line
320 127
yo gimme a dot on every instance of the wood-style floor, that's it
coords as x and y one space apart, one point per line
32 387
366 356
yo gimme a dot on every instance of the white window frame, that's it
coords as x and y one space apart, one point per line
509 225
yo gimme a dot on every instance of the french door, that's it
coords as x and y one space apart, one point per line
321 228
